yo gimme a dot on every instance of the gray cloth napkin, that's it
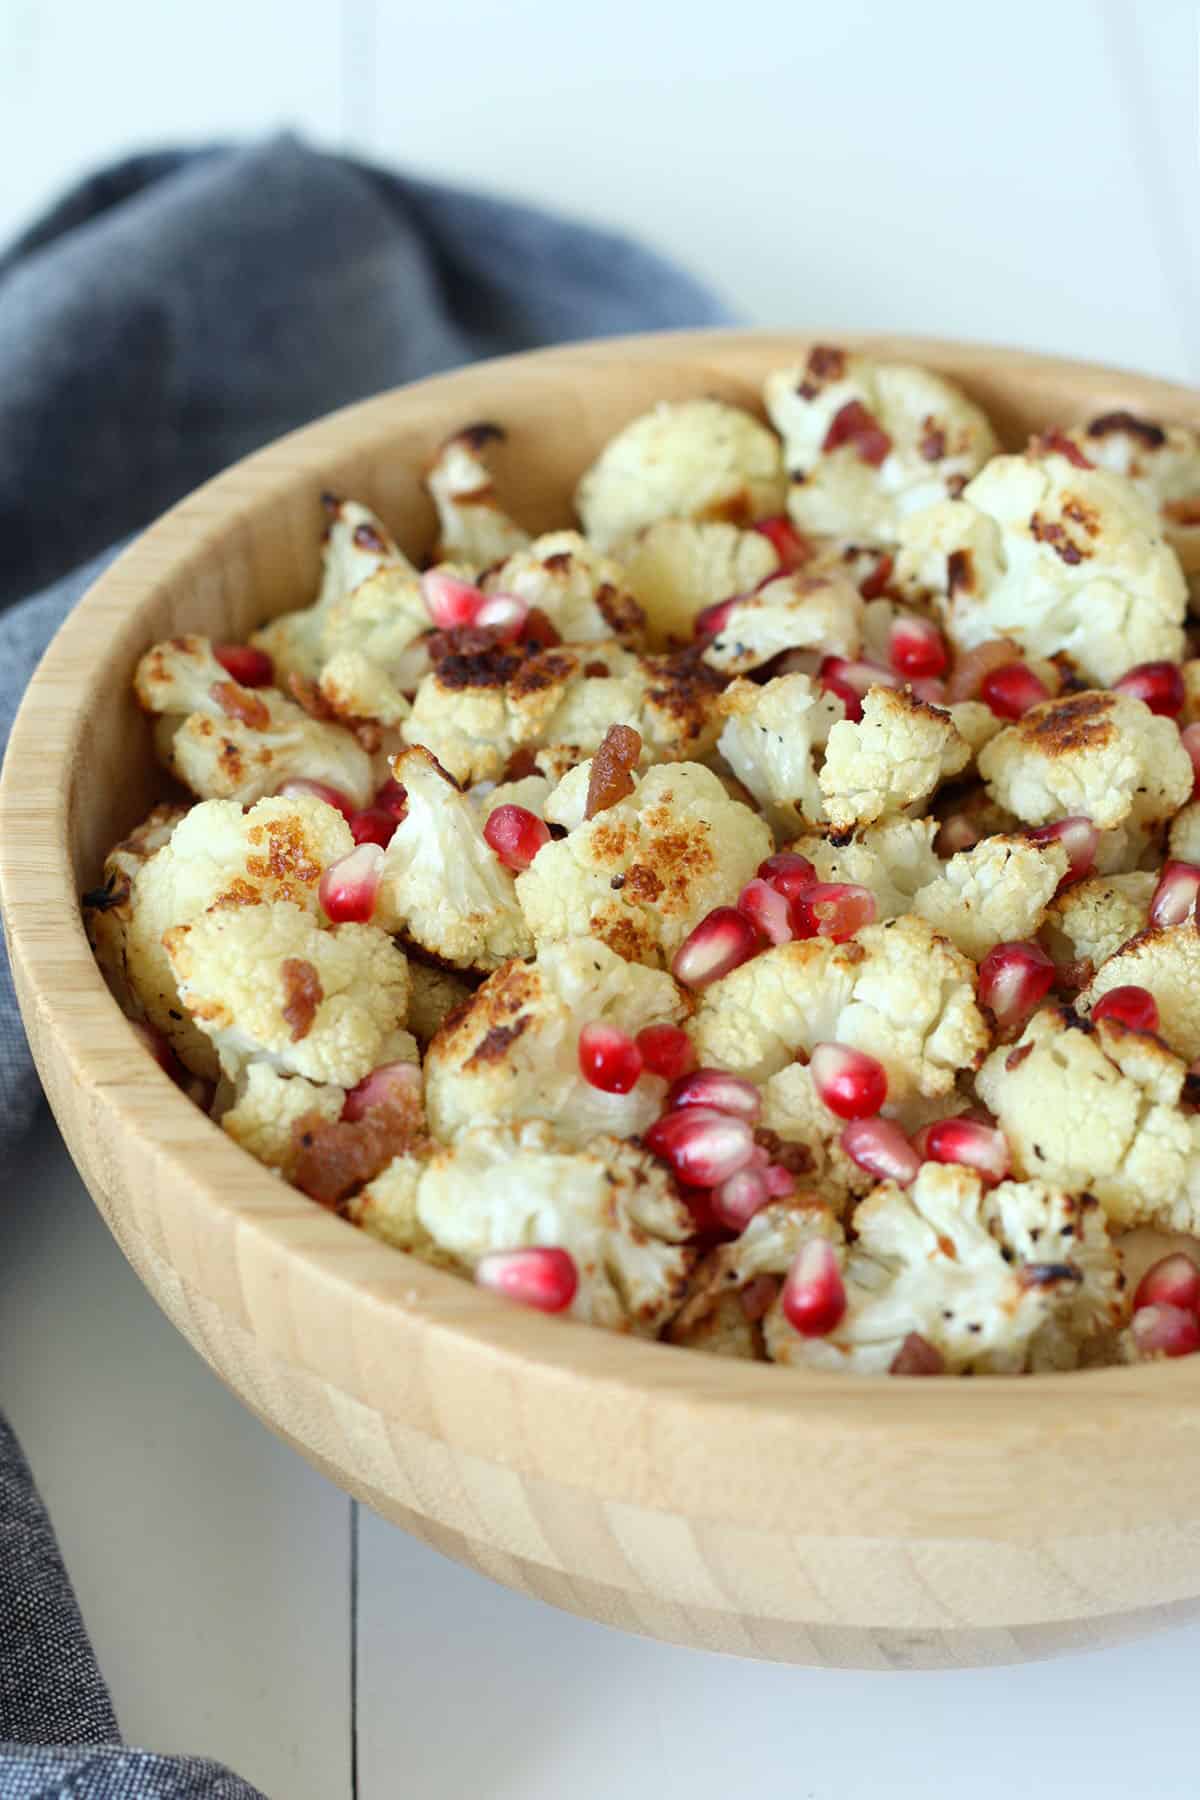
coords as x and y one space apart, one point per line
171 314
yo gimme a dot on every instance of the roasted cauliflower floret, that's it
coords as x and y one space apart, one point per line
866 443
801 611
679 566
1096 1109
794 1111
107 909
508 1187
1092 919
995 893
1055 557
898 991
513 1053
770 740
442 885
359 691
220 856
1104 755
433 994
895 859
228 742
1019 1277
581 591
1162 462
266 983
733 1287
892 757
642 873
689 459
473 527
1165 960
267 1108
1183 839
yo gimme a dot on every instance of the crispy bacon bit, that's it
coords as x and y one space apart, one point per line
852 424
933 440
1153 436
240 704
1057 443
335 1157
611 778
917 1356
367 538
302 994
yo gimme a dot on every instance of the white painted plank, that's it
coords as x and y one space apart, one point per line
857 164
467 1689
211 1563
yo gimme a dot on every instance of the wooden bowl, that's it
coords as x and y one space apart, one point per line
734 1506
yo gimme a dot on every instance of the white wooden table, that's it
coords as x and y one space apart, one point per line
217 1575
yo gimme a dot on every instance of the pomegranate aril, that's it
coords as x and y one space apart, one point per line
1158 685
852 424
1175 896
1134 1007
703 1147
349 887
850 1083
881 1148
833 909
860 675
917 1356
249 667
1014 979
758 1297
608 1058
966 1141
791 546
955 833
544 1278
392 798
814 1295
320 790
1189 737
1172 1281
713 619
929 689
788 872
971 666
719 943
1012 689
720 1091
391 1084
1078 837
503 613
666 1051
841 690
780 1181
516 835
1165 1331
450 601
917 648
739 1197
373 826
767 909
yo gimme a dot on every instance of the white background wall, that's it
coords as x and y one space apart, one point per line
1025 172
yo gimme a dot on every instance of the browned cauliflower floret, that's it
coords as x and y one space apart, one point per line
107 909
581 591
995 893
679 566
1165 960
689 459
734 1286
898 991
642 873
1096 1109
1092 919
1163 463
894 756
268 1107
770 740
267 983
228 742
433 994
1100 754
895 859
473 527
506 1187
1183 839
513 1053
867 442
801 611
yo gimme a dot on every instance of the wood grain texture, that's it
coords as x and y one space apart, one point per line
733 1506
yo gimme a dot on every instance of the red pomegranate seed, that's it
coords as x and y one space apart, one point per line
249 667
713 619
1057 443
1012 689
720 1092
858 675
833 909
758 1297
1158 685
1165 1331
788 872
608 1058
1014 979
544 1278
703 1147
1175 896
841 690
1134 1007
450 601
393 799
666 1050
881 1148
373 826
320 790
780 1181
916 647
516 835
720 942
503 613
349 887
850 1083
852 424
876 582
929 689
767 909
917 1356
791 546
814 1296
1189 737
966 1141
739 1197
1172 1281
389 1084
972 666
1079 838
955 833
